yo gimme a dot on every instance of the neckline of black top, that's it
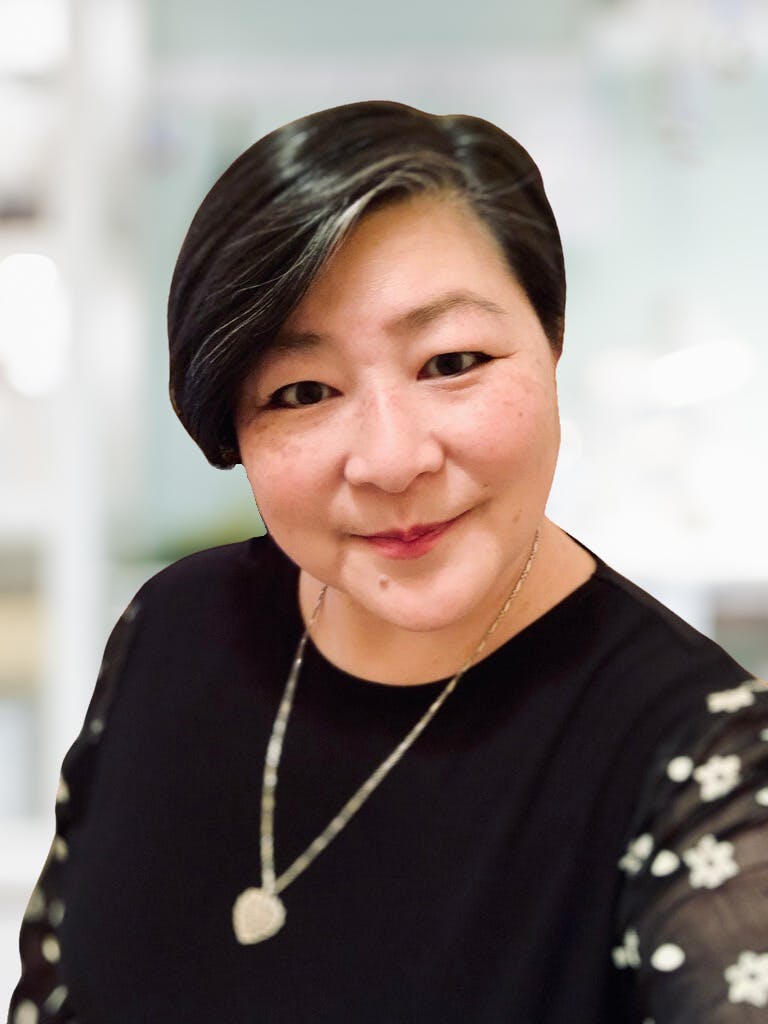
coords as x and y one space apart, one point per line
543 627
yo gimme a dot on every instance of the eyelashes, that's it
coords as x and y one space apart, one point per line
304 393
450 364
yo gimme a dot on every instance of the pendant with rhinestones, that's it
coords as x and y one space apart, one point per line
257 915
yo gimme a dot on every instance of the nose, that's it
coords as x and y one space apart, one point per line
393 442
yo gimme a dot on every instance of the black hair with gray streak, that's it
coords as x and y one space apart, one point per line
276 215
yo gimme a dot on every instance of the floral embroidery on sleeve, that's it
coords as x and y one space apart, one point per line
41 997
748 979
711 863
694 911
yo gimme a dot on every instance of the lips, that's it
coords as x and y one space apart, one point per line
411 534
412 543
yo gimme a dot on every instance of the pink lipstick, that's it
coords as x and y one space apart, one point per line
411 543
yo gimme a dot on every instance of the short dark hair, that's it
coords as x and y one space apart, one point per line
281 209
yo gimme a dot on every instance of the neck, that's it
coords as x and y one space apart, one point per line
359 642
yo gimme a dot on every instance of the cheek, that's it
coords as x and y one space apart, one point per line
517 431
284 478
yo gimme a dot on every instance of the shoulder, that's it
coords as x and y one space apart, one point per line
247 557
256 562
226 584
646 675
644 605
210 616
652 639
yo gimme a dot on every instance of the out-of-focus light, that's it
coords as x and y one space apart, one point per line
700 373
34 323
616 377
34 35
643 32
571 440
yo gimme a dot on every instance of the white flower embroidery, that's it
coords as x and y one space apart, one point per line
638 851
26 1013
711 863
51 949
731 700
679 768
56 913
36 907
668 957
762 797
665 863
55 1000
718 776
764 735
628 955
748 979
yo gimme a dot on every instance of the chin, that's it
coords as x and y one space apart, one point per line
417 609
417 620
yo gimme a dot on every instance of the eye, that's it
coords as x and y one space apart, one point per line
449 364
300 394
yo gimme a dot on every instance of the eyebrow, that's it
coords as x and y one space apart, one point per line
422 316
414 319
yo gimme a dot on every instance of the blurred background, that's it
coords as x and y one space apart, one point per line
649 120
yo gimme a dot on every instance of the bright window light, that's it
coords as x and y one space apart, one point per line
34 323
34 35
700 373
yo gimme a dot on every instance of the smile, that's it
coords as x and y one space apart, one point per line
411 543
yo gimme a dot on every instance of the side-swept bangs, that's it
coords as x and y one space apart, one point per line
277 214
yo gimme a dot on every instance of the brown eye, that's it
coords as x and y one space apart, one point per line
449 364
303 392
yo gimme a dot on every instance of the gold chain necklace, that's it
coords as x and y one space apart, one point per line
258 913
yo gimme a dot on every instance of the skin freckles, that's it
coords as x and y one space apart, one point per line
429 396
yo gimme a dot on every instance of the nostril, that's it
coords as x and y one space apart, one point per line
393 468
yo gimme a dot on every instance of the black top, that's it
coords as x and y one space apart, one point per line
578 837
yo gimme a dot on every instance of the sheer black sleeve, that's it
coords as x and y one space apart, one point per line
41 996
693 917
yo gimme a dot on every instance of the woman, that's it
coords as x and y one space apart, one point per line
512 786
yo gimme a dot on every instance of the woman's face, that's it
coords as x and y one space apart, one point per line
412 386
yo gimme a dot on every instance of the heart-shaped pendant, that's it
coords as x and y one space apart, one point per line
257 915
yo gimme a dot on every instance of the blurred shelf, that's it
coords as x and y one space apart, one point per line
25 842
25 519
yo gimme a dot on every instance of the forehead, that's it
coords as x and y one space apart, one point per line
404 258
